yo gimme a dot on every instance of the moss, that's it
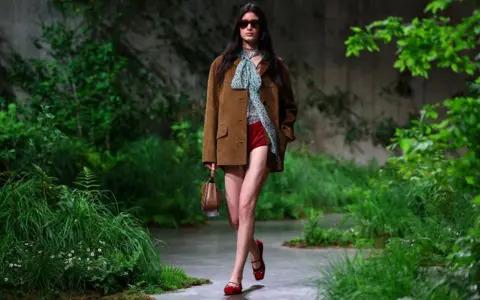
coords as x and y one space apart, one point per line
128 295
90 295
195 282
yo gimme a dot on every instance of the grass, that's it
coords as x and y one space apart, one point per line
390 207
127 295
417 225
157 182
316 236
309 181
60 239
393 274
157 179
316 181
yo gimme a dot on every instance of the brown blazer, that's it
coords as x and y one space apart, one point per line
225 128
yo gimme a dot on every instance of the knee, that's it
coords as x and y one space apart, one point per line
234 223
246 211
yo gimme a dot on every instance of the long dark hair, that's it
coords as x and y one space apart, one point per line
265 46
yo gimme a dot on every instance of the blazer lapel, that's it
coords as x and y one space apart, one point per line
264 66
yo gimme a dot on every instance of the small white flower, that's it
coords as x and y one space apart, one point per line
53 256
69 254
92 254
88 259
88 249
11 265
99 250
88 268
72 251
6 279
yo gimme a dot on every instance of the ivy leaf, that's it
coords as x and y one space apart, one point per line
476 200
437 5
470 180
406 144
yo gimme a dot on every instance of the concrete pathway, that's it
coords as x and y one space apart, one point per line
209 252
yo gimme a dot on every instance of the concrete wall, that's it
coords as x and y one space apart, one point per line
309 35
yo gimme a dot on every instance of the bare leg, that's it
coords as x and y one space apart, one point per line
234 178
253 181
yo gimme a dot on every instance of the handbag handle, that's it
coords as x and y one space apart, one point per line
212 173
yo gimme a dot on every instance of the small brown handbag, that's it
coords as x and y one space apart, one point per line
211 197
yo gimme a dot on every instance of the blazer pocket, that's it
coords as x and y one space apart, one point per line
222 130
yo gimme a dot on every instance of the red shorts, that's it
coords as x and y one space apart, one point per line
256 136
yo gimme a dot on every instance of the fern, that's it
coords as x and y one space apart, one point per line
87 179
43 176
172 278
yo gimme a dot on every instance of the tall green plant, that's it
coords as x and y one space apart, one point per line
26 141
441 153
423 42
428 145
59 238
79 84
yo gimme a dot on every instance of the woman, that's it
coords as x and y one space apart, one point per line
249 118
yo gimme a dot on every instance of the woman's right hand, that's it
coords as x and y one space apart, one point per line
211 166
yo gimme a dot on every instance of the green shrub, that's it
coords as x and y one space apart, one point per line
394 274
153 178
464 261
56 238
385 209
311 181
316 236
438 170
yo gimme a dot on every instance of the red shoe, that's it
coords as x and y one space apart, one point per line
259 273
232 288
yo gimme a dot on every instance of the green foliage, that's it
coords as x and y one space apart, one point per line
311 181
26 141
423 41
385 210
57 238
426 210
160 179
80 84
432 138
390 207
316 236
81 113
464 261
394 274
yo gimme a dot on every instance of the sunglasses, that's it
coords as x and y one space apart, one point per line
244 23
